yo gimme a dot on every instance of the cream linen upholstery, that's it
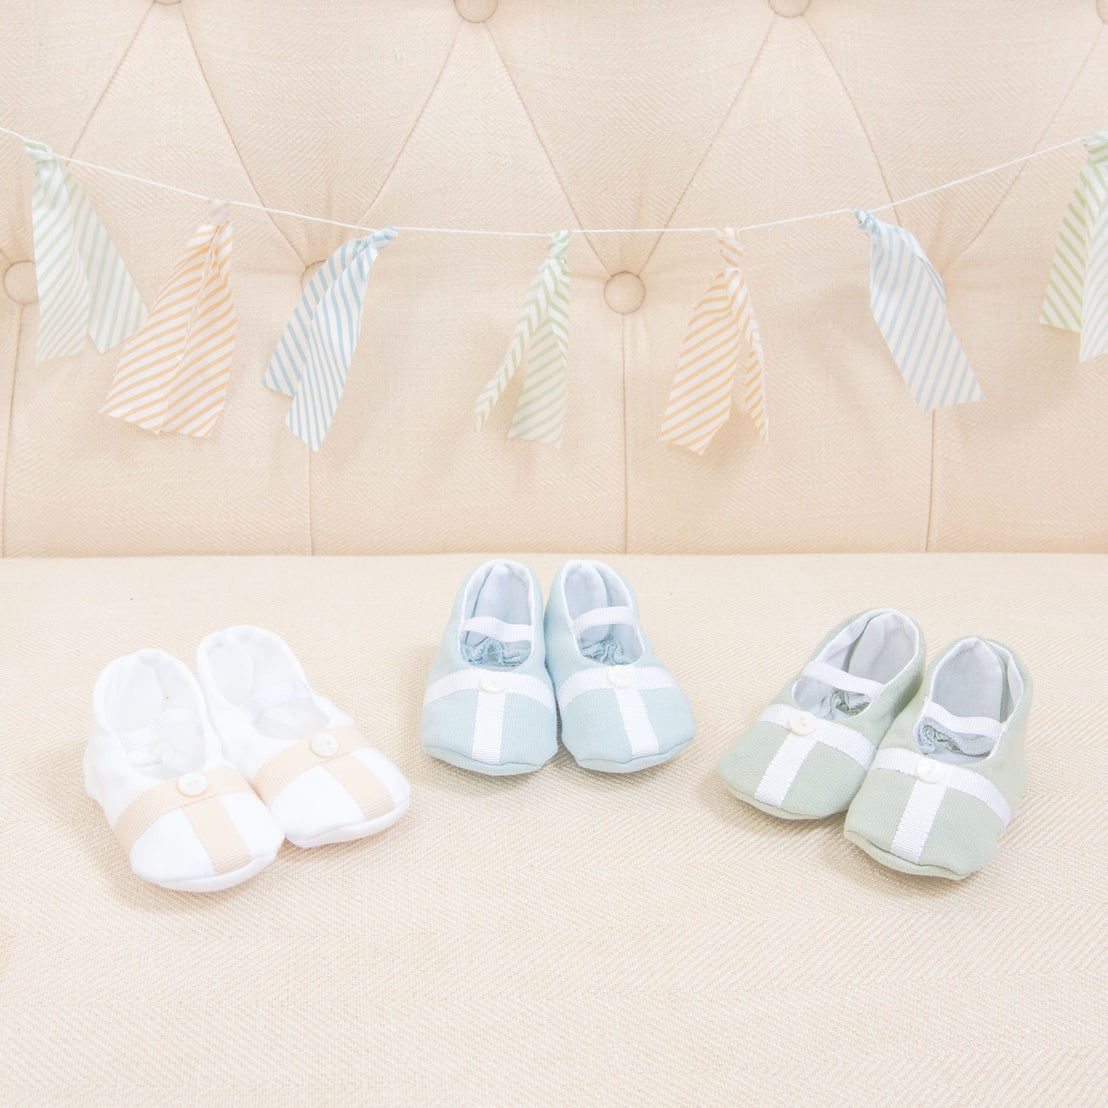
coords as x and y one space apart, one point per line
567 937
540 116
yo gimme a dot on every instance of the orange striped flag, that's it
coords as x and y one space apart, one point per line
173 373
700 399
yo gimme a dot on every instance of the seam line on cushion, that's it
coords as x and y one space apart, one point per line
930 490
8 443
980 231
857 115
1016 176
308 482
626 441
712 141
364 217
231 137
542 147
896 216
108 83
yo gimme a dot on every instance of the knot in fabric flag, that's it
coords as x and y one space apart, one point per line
83 286
908 299
542 332
173 373
312 358
1077 291
722 322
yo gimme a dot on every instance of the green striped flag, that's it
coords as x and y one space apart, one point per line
1077 292
542 332
83 286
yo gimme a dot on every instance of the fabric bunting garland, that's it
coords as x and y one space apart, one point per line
700 399
542 331
173 373
1077 292
175 365
908 299
83 286
312 358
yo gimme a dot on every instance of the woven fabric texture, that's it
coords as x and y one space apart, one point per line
528 115
566 937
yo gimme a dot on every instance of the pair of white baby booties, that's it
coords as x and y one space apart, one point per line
203 781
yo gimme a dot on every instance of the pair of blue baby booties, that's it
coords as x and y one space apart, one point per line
505 672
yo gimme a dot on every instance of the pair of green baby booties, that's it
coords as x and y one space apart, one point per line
929 767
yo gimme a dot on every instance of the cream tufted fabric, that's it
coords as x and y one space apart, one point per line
528 115
566 938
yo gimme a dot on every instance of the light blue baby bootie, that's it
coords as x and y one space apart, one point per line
489 704
621 708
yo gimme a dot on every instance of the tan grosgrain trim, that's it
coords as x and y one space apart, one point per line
208 817
220 837
362 784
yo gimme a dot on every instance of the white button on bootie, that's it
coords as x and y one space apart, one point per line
488 705
807 754
307 760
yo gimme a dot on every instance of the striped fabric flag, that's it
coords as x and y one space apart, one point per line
1077 292
312 358
542 332
908 300
173 374
83 286
722 322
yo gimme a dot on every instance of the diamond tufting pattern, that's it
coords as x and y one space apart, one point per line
527 115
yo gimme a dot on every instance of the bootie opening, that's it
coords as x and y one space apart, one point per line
497 628
974 691
872 650
591 587
151 704
255 672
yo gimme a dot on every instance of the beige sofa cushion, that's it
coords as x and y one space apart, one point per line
538 117
565 937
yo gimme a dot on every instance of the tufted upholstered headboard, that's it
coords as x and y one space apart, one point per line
524 114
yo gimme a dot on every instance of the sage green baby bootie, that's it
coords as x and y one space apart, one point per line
807 753
949 774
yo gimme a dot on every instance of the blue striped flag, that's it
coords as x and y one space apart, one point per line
313 355
908 300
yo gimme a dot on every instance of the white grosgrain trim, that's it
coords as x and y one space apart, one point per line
592 680
844 739
958 777
488 727
985 726
840 679
270 697
603 617
918 818
785 765
463 680
782 770
171 717
498 629
641 736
